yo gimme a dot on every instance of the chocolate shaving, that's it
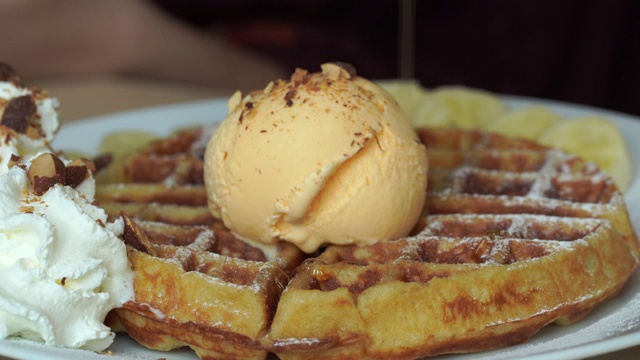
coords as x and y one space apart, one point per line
19 113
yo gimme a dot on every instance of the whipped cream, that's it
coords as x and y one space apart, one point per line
62 265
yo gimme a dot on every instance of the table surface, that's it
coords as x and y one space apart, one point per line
83 98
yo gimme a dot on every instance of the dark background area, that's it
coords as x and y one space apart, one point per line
585 52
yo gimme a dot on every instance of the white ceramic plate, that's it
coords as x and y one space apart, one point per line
612 326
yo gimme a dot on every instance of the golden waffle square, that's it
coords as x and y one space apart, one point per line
200 287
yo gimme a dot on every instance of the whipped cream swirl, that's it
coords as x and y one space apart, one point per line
62 265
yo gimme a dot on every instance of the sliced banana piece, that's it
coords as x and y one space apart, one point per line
408 93
529 122
596 139
120 143
458 106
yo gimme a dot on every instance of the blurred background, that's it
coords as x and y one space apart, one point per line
585 51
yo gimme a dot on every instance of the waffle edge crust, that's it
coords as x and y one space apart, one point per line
514 236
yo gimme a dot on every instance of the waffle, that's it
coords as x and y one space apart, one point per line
514 236
198 286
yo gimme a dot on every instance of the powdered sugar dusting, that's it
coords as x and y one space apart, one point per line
296 341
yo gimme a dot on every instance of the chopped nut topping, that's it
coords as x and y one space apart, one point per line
46 170
26 209
299 76
269 87
33 132
8 132
291 94
134 237
234 101
348 67
337 70
78 171
102 161
19 113
15 160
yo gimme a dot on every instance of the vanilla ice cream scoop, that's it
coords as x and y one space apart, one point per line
326 157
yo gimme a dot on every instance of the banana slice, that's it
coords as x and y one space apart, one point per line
120 143
408 93
458 106
529 122
595 139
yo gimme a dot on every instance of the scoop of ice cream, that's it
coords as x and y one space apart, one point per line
326 157
62 265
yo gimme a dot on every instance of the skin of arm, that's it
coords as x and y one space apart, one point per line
73 38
